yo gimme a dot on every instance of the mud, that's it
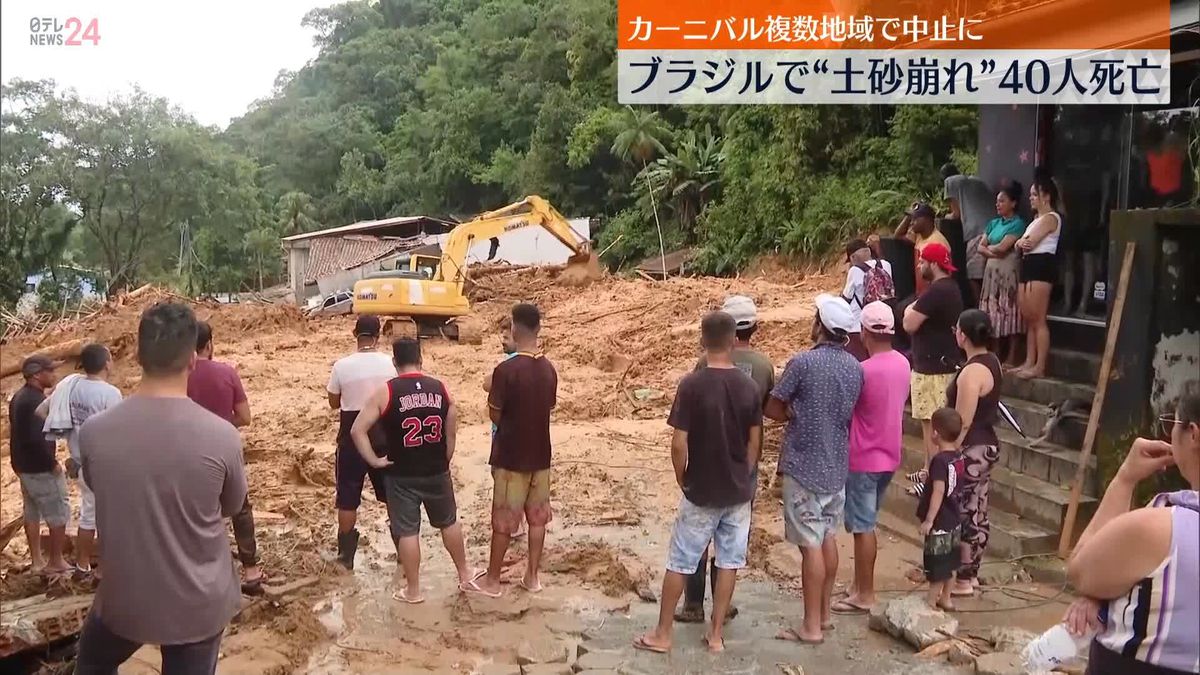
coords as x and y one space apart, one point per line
619 346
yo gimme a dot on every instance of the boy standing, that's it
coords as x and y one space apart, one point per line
938 509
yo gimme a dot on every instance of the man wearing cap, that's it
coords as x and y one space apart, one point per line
43 484
876 429
935 355
758 367
217 387
919 228
354 379
816 397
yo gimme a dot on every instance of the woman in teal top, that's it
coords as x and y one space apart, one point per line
998 297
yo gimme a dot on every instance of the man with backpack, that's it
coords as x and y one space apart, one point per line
868 280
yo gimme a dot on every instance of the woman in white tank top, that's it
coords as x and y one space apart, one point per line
1039 271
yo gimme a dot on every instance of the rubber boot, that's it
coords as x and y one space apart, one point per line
347 547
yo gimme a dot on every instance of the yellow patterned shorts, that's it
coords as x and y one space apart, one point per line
520 494
928 394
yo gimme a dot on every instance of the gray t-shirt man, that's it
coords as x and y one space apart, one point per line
166 473
88 397
977 205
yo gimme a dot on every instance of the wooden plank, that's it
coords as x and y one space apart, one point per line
37 621
1089 437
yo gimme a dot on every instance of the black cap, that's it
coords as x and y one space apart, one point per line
367 325
921 210
36 364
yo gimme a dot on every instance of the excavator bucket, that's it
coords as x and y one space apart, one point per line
582 269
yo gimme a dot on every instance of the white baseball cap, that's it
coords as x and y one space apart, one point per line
742 309
835 313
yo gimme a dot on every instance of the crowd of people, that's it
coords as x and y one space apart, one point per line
160 471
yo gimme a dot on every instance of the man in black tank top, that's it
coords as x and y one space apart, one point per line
419 420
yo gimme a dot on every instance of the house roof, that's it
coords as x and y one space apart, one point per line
330 255
675 262
398 226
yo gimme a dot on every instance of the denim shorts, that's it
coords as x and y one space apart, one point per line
864 495
44 497
728 527
810 518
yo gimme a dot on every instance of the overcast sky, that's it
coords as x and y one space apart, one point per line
212 58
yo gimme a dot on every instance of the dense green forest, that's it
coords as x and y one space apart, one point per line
447 107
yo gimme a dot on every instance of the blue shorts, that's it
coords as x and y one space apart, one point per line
864 495
728 527
809 518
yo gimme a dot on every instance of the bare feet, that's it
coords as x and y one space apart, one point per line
946 606
531 584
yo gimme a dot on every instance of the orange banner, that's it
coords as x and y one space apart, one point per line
893 24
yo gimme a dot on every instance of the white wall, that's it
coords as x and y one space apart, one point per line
528 246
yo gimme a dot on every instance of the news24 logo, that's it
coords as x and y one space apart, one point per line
53 32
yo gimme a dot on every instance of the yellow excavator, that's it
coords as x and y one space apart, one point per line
428 293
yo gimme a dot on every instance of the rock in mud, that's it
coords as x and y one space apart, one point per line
999 663
566 624
500 669
912 620
600 660
546 669
959 655
1009 639
541 652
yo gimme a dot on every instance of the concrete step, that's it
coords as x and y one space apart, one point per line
1011 536
1046 390
1074 366
1032 417
1054 464
1034 500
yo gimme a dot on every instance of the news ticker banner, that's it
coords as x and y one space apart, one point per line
893 51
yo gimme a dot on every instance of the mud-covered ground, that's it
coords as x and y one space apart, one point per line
619 347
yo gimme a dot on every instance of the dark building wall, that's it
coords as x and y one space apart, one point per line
1008 145
1158 347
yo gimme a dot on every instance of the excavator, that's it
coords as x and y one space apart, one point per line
427 294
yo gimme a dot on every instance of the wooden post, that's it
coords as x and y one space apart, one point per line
1089 438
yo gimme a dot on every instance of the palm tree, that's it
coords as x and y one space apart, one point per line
638 142
261 244
689 178
296 213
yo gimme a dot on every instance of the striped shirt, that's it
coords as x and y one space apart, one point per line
1152 629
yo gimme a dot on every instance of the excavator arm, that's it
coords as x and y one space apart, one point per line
531 211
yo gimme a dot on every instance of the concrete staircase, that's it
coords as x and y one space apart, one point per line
1030 485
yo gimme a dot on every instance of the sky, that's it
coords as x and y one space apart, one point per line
211 58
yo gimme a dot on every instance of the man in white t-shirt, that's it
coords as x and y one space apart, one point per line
862 259
351 383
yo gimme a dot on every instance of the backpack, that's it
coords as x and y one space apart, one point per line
877 284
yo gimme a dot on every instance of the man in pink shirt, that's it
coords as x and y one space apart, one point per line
875 436
216 387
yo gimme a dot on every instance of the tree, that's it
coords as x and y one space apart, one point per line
262 245
688 178
35 223
640 135
295 213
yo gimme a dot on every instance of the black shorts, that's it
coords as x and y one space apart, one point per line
1039 267
942 555
350 473
406 494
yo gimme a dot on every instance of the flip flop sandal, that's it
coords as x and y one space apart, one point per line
640 643
708 645
402 596
254 586
531 589
473 587
845 607
792 636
